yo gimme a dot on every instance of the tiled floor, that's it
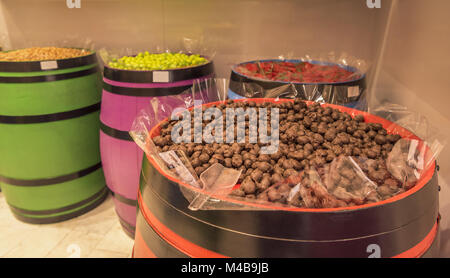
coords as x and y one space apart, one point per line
96 234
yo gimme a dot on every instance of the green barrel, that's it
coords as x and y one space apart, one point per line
50 167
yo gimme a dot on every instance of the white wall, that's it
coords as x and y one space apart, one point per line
414 72
239 30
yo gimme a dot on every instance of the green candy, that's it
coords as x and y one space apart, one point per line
163 61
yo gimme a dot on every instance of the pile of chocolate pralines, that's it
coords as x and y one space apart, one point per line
325 157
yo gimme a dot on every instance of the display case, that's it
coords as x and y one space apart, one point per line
401 46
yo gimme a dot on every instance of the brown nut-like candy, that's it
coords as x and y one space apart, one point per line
248 186
228 152
204 157
248 163
380 139
264 157
317 138
359 118
278 169
276 178
303 140
199 170
264 166
228 162
273 195
263 196
289 172
256 175
238 192
195 162
159 141
263 184
376 126
298 155
330 134
393 138
236 161
384 191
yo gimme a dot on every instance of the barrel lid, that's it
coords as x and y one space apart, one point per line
159 76
34 66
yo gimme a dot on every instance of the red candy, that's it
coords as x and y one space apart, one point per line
304 72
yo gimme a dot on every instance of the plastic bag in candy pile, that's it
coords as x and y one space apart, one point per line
421 143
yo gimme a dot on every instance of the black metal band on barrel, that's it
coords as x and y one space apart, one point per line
147 76
124 199
47 78
290 224
115 133
145 92
59 210
126 225
129 229
36 119
154 242
434 250
63 217
237 244
35 66
51 181
236 81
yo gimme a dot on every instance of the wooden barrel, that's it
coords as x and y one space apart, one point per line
125 93
350 93
403 226
50 167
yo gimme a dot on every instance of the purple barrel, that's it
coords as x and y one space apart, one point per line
125 94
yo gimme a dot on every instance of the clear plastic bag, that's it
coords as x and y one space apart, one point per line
70 41
326 78
421 143
363 158
49 48
189 46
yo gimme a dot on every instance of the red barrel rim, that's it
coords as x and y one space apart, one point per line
426 177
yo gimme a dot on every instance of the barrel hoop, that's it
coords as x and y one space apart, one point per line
172 222
115 133
125 224
63 217
179 244
129 229
36 119
140 248
124 199
144 92
422 247
51 181
47 78
397 213
174 75
152 240
236 81
434 250
32 66
59 210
